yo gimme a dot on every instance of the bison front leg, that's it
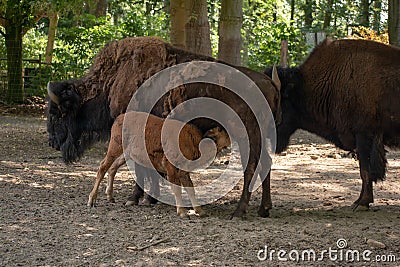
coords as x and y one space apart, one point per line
364 144
154 192
266 202
246 194
138 189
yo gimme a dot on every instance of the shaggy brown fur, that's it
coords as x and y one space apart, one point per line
139 123
81 111
347 91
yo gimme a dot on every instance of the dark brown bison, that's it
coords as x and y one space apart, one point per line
81 111
348 92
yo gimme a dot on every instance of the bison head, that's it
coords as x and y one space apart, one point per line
74 125
291 81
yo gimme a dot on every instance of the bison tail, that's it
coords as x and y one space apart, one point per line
378 160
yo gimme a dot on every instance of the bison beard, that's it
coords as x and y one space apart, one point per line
348 92
81 111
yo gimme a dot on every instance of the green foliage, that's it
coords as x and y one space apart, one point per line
76 46
80 38
80 35
264 28
264 45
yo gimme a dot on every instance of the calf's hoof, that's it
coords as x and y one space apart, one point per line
200 212
90 203
111 199
182 213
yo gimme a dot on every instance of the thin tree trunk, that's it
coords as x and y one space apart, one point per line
98 8
51 36
197 27
292 7
230 37
308 13
284 53
13 40
394 22
364 13
177 33
377 15
328 14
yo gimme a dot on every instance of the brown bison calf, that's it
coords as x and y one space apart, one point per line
143 126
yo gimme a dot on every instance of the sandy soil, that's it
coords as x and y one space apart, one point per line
44 220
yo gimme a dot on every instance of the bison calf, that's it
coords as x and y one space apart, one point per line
143 126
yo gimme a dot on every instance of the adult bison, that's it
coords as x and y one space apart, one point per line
81 111
348 92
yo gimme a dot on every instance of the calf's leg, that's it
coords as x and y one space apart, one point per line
114 152
104 166
111 175
185 180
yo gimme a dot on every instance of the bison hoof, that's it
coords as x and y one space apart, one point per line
264 213
238 214
132 203
148 200
359 207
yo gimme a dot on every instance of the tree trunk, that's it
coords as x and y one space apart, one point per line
364 13
308 14
284 53
230 37
377 15
177 11
328 14
51 36
394 22
292 7
99 8
13 39
197 27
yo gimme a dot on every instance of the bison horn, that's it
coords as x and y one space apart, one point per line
52 95
275 78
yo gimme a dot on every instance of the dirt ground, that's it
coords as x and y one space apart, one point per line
44 220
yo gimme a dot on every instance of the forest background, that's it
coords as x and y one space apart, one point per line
58 39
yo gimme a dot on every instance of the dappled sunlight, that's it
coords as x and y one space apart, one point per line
166 250
323 186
